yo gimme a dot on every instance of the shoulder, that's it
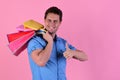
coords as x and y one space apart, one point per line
37 40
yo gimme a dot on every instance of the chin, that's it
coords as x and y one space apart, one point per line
51 32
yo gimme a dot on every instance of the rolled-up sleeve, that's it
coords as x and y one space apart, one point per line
71 47
34 44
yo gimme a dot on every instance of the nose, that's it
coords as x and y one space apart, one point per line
52 24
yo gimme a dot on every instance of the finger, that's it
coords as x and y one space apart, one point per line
65 55
68 57
67 47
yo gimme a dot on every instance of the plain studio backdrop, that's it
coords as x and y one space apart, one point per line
90 25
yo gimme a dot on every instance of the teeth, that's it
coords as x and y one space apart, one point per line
51 28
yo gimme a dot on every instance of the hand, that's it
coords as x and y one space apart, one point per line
47 37
68 54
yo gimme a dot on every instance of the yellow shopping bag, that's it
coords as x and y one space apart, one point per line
32 24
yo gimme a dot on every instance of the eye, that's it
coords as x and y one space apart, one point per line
49 20
55 21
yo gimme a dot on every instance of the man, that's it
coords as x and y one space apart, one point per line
48 52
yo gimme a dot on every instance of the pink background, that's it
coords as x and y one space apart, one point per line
90 25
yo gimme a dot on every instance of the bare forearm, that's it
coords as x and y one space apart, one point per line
80 55
44 55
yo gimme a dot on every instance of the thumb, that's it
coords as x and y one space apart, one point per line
67 47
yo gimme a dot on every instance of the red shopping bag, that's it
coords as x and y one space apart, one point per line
14 36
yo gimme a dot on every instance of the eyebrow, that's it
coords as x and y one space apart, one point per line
51 20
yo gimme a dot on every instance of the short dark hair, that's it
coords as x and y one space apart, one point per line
54 10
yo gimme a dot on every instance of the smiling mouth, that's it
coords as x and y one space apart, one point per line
52 28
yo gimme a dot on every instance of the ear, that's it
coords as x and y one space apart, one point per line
60 23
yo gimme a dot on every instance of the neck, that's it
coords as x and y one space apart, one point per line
53 35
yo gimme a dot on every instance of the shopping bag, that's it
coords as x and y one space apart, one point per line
13 36
18 41
18 44
31 24
22 28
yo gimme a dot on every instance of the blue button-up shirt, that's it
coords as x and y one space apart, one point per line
55 68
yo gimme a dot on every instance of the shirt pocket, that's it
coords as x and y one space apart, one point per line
60 47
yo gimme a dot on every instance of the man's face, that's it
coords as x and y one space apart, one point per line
52 23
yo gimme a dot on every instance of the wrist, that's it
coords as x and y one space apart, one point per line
50 42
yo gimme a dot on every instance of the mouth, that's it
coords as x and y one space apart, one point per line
51 28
